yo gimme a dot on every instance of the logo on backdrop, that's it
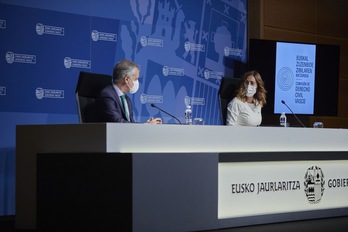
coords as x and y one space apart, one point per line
168 71
2 90
151 42
76 63
285 78
49 30
2 24
104 36
233 52
213 74
145 98
194 47
314 184
194 101
20 58
10 57
48 93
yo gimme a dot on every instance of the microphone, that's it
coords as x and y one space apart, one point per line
294 114
153 105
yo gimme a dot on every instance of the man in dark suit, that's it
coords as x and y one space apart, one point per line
113 105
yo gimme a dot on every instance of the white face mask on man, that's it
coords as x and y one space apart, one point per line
135 87
251 90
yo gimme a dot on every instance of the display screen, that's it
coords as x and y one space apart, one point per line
303 76
294 77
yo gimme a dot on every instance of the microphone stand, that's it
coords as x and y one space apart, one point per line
153 105
294 114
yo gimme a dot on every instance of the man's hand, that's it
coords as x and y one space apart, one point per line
154 121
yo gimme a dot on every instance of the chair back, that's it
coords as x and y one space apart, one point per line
227 92
88 88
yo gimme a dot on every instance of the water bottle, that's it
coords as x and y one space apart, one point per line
188 115
282 119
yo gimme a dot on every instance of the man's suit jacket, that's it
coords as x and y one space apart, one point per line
109 108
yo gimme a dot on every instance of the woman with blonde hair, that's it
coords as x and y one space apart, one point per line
245 108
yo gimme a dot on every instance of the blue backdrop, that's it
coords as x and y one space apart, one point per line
183 49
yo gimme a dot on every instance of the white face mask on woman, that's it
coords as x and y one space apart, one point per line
135 87
251 90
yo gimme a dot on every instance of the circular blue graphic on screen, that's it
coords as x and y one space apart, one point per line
285 78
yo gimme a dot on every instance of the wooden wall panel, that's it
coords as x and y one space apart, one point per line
332 18
255 9
309 21
272 33
298 15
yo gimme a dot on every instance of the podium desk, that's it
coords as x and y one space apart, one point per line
141 177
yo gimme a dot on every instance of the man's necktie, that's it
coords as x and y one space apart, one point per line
125 105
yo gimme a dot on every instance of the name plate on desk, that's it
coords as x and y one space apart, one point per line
261 188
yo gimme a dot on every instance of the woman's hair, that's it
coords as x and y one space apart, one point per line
260 95
123 68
